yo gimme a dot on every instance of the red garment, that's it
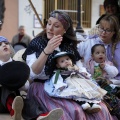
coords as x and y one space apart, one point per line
20 37
9 104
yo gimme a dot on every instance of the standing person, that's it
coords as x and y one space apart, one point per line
20 40
69 81
110 7
59 32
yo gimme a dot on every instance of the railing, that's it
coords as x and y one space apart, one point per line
70 6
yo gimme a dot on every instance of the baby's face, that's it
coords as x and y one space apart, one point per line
99 54
5 50
64 62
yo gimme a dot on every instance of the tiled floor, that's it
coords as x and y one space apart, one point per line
5 117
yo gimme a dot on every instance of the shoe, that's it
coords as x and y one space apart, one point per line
52 115
17 106
94 109
85 106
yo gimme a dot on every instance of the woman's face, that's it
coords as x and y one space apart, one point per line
106 32
111 9
54 27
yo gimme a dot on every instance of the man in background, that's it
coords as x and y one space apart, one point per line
20 40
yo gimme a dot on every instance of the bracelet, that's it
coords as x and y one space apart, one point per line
45 53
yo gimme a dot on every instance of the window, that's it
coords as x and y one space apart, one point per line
70 6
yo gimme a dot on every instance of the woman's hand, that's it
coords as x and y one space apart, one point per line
53 43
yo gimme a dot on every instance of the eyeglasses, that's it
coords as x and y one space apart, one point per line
107 31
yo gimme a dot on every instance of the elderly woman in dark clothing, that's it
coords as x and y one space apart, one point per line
59 35
111 7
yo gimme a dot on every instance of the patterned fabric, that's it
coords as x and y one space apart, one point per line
78 88
113 104
72 110
62 18
70 33
39 43
97 72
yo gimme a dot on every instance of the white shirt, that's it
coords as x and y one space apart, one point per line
84 48
30 60
2 63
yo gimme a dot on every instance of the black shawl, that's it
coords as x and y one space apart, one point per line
40 42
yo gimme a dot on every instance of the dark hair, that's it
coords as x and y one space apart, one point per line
111 2
2 10
96 45
114 24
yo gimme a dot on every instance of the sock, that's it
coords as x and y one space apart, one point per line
9 104
44 114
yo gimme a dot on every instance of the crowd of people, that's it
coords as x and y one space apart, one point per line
70 79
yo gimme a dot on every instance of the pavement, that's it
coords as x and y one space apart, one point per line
5 117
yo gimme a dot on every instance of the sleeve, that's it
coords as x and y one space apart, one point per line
82 68
30 60
111 70
59 83
81 48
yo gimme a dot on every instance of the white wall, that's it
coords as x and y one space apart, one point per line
95 13
26 15
96 10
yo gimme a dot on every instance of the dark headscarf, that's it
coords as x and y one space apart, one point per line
66 21
69 43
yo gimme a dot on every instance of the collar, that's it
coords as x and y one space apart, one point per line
96 64
2 63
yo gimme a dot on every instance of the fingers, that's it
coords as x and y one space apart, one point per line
54 43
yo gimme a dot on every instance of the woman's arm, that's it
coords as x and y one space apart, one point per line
53 43
111 70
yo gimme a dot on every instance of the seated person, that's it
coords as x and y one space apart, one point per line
69 81
13 76
100 68
59 32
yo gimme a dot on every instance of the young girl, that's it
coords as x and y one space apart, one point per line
99 67
102 71
72 82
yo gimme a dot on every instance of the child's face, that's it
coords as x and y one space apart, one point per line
5 50
63 62
99 54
